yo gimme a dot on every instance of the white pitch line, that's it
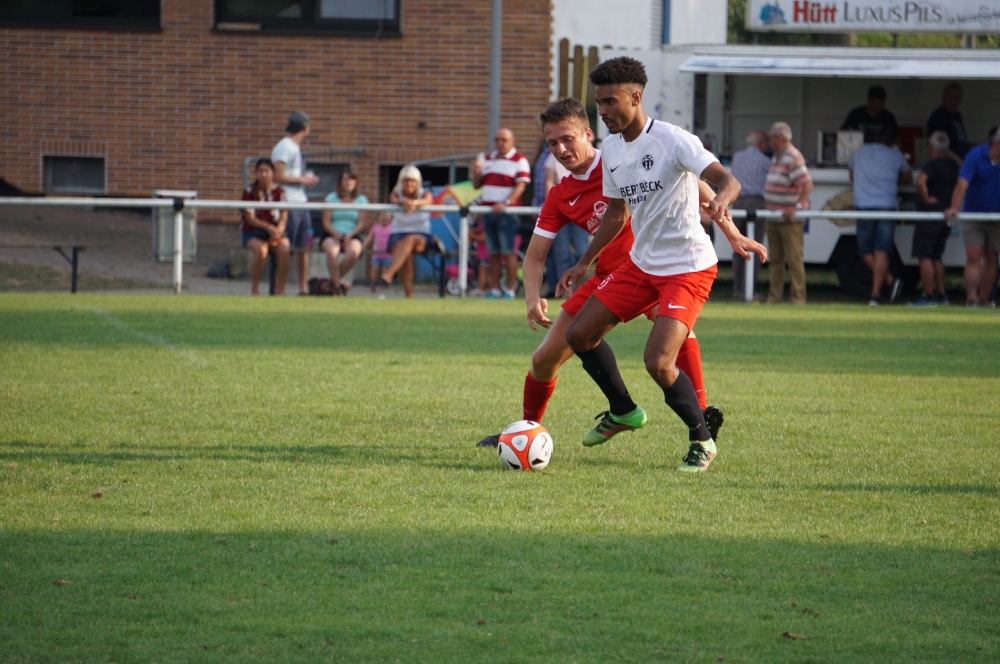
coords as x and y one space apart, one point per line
153 339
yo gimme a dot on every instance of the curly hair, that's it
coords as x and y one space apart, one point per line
619 71
566 108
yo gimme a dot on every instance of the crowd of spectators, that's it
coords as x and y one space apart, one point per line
957 178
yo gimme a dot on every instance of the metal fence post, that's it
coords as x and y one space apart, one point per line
749 284
463 250
178 243
76 265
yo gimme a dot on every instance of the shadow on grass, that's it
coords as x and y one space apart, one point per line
22 451
918 489
896 345
431 595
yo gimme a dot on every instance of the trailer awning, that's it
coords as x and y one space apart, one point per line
842 66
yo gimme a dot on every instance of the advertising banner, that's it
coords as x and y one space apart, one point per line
953 16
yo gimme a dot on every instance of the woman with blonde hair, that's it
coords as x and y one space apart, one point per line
411 229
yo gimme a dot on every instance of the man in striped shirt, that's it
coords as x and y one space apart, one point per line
503 176
787 190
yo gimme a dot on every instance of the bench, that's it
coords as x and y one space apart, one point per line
74 259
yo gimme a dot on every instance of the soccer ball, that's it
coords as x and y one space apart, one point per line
525 445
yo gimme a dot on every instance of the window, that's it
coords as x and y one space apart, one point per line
74 175
350 17
328 174
120 14
434 176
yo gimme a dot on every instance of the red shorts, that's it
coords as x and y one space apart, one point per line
576 301
629 292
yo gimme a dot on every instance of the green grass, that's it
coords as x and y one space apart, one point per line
294 480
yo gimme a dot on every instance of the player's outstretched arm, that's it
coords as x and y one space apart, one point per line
611 225
729 189
742 245
533 268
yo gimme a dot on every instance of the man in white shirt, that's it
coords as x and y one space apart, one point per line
289 172
652 168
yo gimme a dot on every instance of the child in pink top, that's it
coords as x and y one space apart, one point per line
378 242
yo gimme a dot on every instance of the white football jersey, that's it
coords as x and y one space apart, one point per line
657 176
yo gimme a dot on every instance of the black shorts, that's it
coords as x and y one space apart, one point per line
320 234
929 239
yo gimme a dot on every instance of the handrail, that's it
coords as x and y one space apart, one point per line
205 204
178 205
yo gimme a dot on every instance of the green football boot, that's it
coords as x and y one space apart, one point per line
614 424
699 456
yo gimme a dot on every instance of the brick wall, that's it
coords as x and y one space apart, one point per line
181 108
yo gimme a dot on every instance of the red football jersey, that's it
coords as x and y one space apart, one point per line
580 200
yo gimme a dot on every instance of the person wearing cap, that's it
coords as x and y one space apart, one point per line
871 118
289 172
978 190
935 185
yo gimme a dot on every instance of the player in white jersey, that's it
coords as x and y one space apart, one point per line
652 169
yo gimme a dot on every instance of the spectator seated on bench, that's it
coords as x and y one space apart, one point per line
264 229
341 233
410 228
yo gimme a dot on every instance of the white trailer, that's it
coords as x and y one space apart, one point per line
746 87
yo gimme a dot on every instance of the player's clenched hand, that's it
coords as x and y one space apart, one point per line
716 209
571 276
536 313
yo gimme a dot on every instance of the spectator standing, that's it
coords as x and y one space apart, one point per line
289 171
877 170
264 229
979 187
750 167
787 191
935 185
503 176
948 119
342 232
871 118
411 229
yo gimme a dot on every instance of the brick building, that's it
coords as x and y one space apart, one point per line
126 96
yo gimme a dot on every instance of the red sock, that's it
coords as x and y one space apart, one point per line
536 397
689 361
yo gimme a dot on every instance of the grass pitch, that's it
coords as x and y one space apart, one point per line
212 479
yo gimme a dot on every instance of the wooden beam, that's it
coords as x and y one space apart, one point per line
563 67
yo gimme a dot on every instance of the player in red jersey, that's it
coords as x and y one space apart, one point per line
577 199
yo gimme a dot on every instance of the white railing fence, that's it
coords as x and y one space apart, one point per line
178 205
